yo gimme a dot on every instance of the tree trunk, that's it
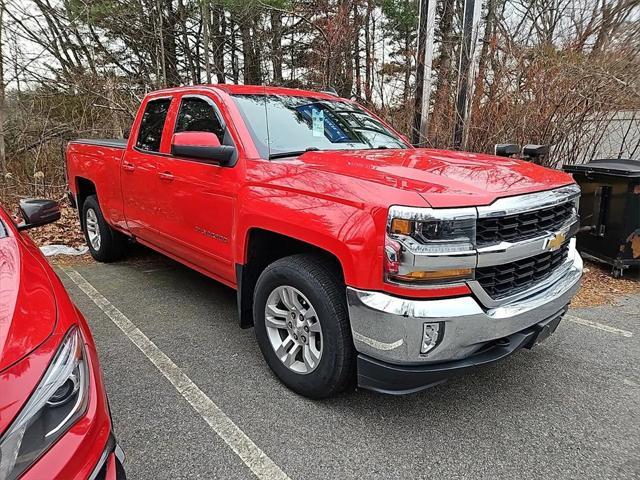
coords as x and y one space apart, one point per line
182 14
219 29
235 69
603 35
252 74
276 46
407 68
206 28
169 45
3 159
356 49
368 68
478 91
442 96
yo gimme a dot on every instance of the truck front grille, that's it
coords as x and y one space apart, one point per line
500 281
493 230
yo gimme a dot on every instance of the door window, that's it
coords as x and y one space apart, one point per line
152 124
198 115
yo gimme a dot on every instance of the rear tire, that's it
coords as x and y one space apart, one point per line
105 244
320 361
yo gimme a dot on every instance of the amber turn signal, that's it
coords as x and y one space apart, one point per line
449 274
400 226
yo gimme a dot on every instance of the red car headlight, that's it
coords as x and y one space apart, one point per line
58 401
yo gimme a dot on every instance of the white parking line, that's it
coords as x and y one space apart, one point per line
252 456
599 326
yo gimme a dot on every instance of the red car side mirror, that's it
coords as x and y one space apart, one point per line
204 146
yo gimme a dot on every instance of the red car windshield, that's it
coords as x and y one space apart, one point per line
283 125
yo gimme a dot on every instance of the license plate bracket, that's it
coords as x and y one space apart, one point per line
544 330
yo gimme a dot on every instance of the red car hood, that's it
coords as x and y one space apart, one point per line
443 178
27 302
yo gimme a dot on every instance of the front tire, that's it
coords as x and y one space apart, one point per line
302 326
105 244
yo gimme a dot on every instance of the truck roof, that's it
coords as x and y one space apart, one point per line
233 89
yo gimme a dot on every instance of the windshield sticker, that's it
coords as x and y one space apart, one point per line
317 122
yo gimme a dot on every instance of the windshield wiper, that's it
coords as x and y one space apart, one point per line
294 153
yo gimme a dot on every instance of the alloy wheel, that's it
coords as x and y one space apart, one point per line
294 330
93 229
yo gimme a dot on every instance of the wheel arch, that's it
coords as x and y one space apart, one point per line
84 189
262 247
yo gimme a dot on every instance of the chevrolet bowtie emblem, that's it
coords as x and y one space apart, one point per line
555 242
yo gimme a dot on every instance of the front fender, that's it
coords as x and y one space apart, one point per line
345 229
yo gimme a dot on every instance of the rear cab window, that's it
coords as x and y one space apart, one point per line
152 124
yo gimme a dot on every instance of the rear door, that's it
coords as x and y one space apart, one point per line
197 198
139 169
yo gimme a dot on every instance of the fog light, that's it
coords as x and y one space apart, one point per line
430 335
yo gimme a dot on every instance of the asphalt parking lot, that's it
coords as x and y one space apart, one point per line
195 399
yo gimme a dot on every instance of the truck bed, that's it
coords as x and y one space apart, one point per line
97 163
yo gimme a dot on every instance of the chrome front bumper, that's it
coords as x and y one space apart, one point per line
389 328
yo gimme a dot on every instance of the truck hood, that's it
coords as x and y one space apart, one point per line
443 178
27 302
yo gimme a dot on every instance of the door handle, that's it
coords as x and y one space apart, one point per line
168 176
129 167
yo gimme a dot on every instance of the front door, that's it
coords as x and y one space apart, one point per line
197 198
139 170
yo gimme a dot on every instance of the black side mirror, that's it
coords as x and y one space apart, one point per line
38 212
506 149
204 146
535 151
221 155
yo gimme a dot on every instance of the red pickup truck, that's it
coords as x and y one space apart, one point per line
356 256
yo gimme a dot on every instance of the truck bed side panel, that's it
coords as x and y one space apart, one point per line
99 162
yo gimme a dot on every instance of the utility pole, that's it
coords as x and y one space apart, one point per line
426 29
465 71
422 41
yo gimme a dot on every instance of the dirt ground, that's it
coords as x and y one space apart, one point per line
600 288
65 231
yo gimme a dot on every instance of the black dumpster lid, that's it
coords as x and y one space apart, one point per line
616 167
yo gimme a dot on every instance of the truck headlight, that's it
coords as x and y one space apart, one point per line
444 239
57 402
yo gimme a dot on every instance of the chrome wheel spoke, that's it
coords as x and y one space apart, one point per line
315 327
274 322
93 229
286 297
310 314
290 359
296 302
274 311
310 356
284 347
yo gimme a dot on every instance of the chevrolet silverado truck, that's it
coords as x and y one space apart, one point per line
357 258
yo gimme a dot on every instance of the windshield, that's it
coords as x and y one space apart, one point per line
283 125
